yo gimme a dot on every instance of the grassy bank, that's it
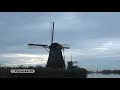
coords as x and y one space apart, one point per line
42 72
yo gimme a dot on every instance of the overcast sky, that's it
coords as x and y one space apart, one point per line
94 37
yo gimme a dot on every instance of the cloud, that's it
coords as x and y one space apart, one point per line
25 59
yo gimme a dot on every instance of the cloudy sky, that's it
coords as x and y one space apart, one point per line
94 37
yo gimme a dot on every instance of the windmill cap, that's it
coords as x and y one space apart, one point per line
55 46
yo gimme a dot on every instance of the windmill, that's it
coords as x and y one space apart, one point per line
70 63
55 59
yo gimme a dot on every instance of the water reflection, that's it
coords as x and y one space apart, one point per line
98 75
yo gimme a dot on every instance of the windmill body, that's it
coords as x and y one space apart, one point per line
55 59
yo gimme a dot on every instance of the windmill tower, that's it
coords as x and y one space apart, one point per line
55 59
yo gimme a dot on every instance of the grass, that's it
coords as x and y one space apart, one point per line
42 72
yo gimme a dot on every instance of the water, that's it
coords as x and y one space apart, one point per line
95 75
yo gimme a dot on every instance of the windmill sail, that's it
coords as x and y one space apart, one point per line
66 46
52 33
37 45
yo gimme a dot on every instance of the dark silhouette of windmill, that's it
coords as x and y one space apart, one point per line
55 59
71 63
